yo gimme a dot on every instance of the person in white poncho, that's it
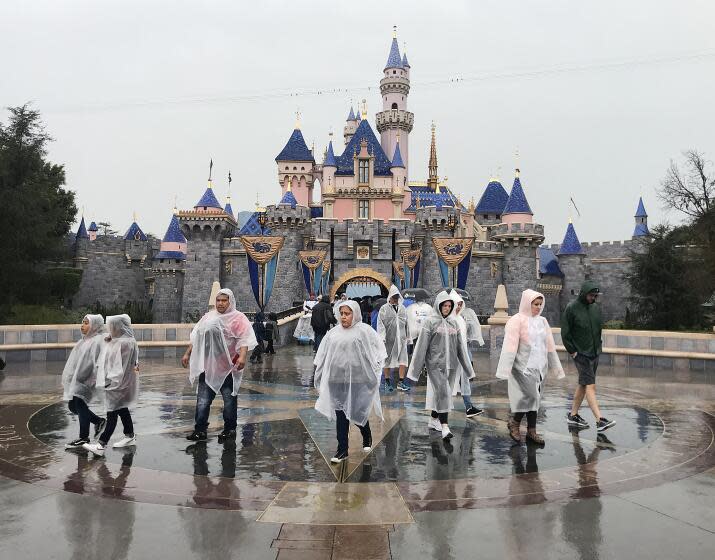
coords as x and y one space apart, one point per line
528 354
347 375
216 356
471 331
392 328
80 376
442 350
118 368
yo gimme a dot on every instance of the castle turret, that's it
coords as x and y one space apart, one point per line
136 245
394 118
641 217
571 262
433 178
491 205
400 191
330 166
517 209
295 168
168 274
92 231
82 230
228 209
81 245
351 125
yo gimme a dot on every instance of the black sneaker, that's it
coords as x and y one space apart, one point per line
99 428
576 420
340 456
474 411
76 444
604 424
197 436
226 434
367 443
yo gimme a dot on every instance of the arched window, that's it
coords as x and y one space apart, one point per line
364 171
394 105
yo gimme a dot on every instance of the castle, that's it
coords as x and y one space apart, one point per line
372 224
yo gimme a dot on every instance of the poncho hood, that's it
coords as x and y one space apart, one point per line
440 298
394 290
120 326
587 287
355 308
527 296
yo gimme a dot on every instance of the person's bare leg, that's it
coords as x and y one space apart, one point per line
403 370
593 401
387 374
577 399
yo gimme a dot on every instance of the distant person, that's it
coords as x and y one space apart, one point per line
259 329
470 333
322 320
216 357
340 298
272 333
581 326
118 369
441 350
366 309
79 378
347 375
392 328
527 355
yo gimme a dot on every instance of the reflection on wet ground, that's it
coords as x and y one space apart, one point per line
278 467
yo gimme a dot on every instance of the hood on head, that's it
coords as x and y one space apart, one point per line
527 296
231 299
120 325
457 298
355 307
394 290
96 324
587 287
441 298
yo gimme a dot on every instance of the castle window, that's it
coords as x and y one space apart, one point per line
302 168
394 71
486 216
294 168
364 209
363 172
394 105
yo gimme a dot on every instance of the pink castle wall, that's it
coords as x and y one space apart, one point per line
517 219
343 209
383 209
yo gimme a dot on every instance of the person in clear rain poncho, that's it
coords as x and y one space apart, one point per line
347 375
527 355
441 348
80 376
118 368
216 356
470 332
392 328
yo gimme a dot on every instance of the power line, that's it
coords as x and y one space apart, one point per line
446 81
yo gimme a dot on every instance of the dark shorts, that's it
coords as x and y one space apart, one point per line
586 368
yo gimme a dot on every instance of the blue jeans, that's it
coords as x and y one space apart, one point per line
318 339
467 402
204 398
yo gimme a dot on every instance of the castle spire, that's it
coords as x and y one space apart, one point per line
394 59
433 180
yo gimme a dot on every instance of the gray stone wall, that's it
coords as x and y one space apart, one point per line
109 278
482 283
203 263
519 271
168 295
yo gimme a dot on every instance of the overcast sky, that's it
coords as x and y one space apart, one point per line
596 96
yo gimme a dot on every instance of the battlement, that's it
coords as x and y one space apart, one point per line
480 248
433 217
515 231
283 215
599 246
404 120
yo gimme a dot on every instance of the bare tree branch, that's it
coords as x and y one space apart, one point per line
691 190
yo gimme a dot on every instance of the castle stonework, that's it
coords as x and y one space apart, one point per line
369 212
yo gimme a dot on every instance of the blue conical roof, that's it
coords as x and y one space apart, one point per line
229 210
351 115
295 149
82 230
404 61
493 199
345 160
209 200
135 233
641 230
397 158
640 212
289 198
93 227
517 203
330 157
570 245
173 232
394 60
548 263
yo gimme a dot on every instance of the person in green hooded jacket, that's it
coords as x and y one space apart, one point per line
581 327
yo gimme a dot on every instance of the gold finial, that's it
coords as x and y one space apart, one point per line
363 112
297 118
517 171
516 158
471 205
288 187
134 216
418 201
570 220
398 136
176 204
394 32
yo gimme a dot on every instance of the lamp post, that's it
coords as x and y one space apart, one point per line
451 223
262 218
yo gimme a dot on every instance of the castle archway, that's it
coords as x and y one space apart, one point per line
359 275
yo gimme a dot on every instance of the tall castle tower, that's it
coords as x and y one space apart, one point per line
395 119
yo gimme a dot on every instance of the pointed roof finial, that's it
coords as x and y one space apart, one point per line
433 179
211 168
363 112
394 32
134 216
176 204
297 118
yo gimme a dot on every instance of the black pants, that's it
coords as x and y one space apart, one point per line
269 347
84 415
530 418
256 355
441 415
343 428
127 424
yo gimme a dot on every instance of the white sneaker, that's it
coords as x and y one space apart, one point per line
446 434
434 424
94 448
125 442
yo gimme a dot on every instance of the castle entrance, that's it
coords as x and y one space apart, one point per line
361 281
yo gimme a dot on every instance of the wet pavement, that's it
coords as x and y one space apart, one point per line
643 489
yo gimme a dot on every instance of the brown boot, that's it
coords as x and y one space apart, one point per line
533 437
514 430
